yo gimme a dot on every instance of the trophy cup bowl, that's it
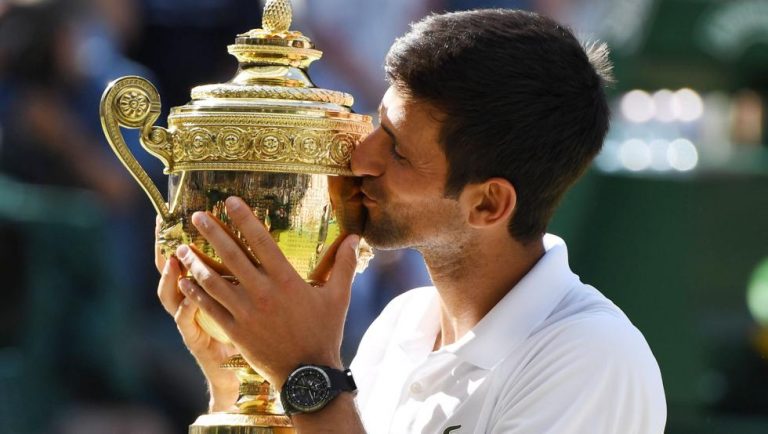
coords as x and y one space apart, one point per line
268 136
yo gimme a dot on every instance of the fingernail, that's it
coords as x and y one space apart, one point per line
233 203
186 301
185 286
182 251
200 219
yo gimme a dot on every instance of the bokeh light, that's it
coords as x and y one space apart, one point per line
635 155
659 155
682 155
608 158
663 104
687 105
638 106
757 293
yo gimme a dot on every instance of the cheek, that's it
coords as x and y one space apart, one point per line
408 188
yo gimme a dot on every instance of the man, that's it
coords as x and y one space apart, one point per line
490 117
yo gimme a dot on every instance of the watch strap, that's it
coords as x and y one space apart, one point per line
341 381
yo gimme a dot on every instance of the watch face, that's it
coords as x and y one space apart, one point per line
308 389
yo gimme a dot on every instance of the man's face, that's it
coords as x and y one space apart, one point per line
404 172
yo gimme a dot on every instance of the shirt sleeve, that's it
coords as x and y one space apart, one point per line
594 376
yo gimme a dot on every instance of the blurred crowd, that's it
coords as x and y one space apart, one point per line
84 345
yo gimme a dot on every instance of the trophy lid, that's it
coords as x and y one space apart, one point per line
270 116
273 64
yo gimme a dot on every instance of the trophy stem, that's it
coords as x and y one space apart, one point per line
259 408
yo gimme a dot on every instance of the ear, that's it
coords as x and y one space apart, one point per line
489 203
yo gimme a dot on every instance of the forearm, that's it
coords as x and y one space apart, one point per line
339 416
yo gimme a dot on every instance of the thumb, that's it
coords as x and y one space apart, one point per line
343 270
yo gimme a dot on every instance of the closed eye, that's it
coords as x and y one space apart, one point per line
396 155
393 149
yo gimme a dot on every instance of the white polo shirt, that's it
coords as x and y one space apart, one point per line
553 356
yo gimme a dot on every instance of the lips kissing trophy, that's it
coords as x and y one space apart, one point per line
268 136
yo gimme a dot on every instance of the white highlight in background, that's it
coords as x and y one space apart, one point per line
638 106
662 101
608 158
682 155
687 105
635 155
659 155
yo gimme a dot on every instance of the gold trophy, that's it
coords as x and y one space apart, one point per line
272 138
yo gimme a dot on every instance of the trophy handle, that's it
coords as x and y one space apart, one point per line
133 102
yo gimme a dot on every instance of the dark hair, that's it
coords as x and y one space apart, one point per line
519 98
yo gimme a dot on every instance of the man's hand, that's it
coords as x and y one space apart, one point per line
208 352
273 316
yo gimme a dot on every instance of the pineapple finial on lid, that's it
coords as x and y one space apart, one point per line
277 16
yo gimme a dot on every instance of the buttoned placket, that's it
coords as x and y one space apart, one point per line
414 385
417 388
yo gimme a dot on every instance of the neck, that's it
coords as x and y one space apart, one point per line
473 280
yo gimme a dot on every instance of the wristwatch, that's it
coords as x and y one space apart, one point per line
310 387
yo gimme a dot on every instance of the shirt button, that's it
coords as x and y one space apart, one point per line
416 387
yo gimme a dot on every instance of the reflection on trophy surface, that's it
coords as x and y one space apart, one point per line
268 136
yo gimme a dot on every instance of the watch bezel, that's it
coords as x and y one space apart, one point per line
297 407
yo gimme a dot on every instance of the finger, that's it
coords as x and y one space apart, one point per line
234 238
159 257
229 250
206 303
185 321
214 265
325 265
158 224
167 291
344 268
209 280
271 258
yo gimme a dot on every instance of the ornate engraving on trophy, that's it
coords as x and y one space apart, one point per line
295 208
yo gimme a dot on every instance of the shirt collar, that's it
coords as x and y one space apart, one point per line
524 307
509 323
417 328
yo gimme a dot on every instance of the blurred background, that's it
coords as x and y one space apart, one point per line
670 222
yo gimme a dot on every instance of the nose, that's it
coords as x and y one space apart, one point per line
369 157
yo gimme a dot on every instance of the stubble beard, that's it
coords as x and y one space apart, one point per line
408 229
387 233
